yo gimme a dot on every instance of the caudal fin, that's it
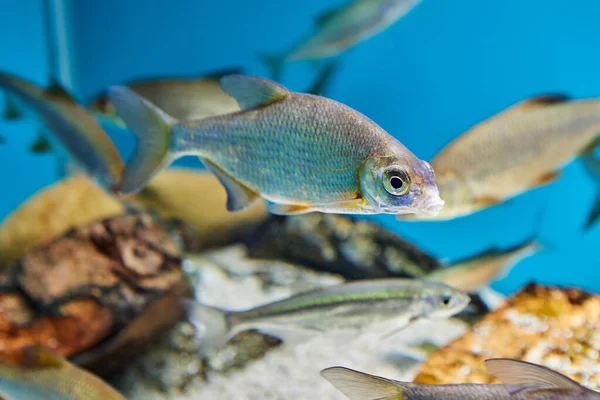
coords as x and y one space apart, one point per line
275 64
360 386
153 128
212 325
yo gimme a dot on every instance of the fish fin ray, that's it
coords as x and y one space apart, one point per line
361 386
252 91
547 179
12 112
289 209
212 324
153 128
239 196
521 372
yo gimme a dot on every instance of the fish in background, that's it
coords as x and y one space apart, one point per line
69 125
380 306
520 149
521 381
49 376
181 98
302 153
476 273
591 164
338 30
191 98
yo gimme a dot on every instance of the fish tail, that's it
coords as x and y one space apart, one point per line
275 64
153 129
360 386
212 324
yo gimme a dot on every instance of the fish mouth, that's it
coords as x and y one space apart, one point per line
432 206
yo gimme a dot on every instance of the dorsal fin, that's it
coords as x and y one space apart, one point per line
541 101
41 357
251 91
58 90
360 386
523 373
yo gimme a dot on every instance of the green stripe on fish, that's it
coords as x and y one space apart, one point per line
300 152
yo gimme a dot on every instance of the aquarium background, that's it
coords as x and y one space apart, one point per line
442 68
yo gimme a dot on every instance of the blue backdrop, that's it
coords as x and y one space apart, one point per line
447 65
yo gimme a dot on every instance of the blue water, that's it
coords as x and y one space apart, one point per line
445 66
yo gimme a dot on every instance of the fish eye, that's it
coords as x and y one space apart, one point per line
396 181
446 300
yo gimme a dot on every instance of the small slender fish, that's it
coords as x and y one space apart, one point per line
522 381
591 164
302 153
517 150
476 273
384 305
182 98
76 130
338 30
50 377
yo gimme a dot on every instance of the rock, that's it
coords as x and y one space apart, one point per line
82 289
255 366
355 249
550 326
192 201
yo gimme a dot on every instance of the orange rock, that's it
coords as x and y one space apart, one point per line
550 326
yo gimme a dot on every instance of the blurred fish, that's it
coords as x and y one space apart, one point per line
301 152
340 29
517 150
476 273
77 131
591 164
522 380
182 98
50 377
385 305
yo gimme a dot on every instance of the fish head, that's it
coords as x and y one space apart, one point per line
400 184
441 301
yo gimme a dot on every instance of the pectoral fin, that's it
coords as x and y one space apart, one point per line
239 196
524 373
547 178
360 386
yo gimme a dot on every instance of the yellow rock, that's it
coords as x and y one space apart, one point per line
198 198
53 211
193 196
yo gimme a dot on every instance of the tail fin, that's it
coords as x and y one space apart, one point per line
153 128
360 386
212 324
275 64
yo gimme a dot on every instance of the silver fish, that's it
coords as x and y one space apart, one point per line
522 381
384 305
479 271
340 29
519 149
301 152
50 377
73 127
